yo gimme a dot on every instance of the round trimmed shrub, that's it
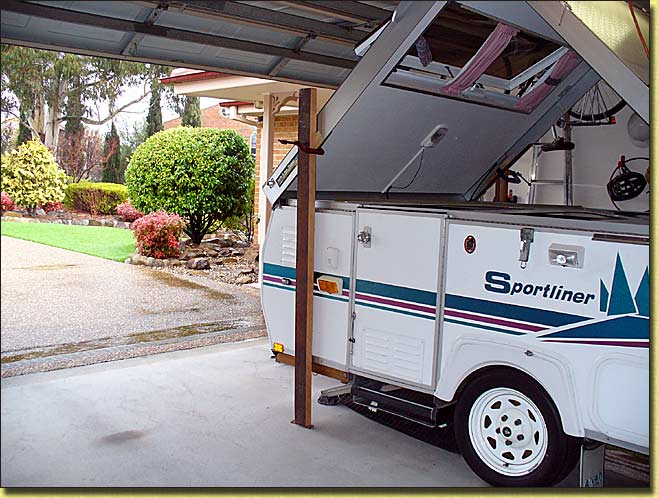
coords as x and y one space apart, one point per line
128 212
157 234
202 174
31 177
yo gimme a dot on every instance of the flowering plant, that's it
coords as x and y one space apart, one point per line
128 212
52 206
157 234
7 203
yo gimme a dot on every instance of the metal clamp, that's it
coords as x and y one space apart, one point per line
304 147
527 237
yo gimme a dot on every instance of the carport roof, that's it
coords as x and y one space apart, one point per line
308 42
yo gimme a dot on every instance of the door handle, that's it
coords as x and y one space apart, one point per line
365 237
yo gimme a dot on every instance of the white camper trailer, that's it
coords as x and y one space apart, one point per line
532 322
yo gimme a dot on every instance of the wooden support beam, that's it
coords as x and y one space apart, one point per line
305 251
501 190
318 368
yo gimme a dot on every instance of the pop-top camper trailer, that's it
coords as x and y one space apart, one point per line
531 322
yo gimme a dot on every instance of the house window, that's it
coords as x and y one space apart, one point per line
252 144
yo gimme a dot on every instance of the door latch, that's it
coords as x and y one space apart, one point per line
365 237
527 237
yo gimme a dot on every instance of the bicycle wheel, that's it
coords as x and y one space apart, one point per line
598 104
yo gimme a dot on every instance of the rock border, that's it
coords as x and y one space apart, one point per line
82 222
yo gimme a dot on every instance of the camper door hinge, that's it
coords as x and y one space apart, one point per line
352 340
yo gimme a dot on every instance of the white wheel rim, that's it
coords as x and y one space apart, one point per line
508 432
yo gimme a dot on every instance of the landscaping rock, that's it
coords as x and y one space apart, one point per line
122 224
94 223
108 223
237 252
244 279
198 264
40 212
150 261
12 214
129 260
229 260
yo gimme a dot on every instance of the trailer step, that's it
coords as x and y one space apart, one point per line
404 403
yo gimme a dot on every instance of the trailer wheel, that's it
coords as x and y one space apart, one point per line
510 433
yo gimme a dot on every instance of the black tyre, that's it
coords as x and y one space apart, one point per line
509 431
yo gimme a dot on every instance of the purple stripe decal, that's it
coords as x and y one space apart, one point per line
623 344
399 304
495 321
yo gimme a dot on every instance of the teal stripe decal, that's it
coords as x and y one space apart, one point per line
287 272
397 292
480 326
343 299
279 271
394 310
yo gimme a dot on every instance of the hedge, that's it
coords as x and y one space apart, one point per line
95 198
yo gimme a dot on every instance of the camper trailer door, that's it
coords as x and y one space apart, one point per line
395 334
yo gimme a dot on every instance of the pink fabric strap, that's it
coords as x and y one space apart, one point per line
474 68
562 68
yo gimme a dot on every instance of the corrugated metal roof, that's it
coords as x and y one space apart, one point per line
309 42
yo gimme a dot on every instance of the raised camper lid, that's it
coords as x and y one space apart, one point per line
448 92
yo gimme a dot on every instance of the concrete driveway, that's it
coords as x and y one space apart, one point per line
57 302
216 416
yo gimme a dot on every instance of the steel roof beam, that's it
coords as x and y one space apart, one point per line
344 9
281 21
126 26
136 38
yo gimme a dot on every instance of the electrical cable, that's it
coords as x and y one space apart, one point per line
420 165
639 31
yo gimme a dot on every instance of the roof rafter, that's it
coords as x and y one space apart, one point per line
344 9
273 19
127 26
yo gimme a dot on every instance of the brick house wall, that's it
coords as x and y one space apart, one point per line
285 128
211 118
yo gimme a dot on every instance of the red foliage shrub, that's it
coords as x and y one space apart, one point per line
7 203
128 212
52 206
157 234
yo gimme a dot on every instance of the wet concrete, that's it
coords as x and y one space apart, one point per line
218 416
59 301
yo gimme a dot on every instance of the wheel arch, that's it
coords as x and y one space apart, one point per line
564 403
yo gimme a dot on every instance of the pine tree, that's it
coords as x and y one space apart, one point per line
192 112
113 167
154 116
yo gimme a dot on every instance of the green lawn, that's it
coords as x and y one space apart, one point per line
105 242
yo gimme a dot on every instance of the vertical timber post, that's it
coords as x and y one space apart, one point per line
305 251
501 190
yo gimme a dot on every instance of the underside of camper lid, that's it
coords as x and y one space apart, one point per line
448 93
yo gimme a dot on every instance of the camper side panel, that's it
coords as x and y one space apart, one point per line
333 258
581 329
